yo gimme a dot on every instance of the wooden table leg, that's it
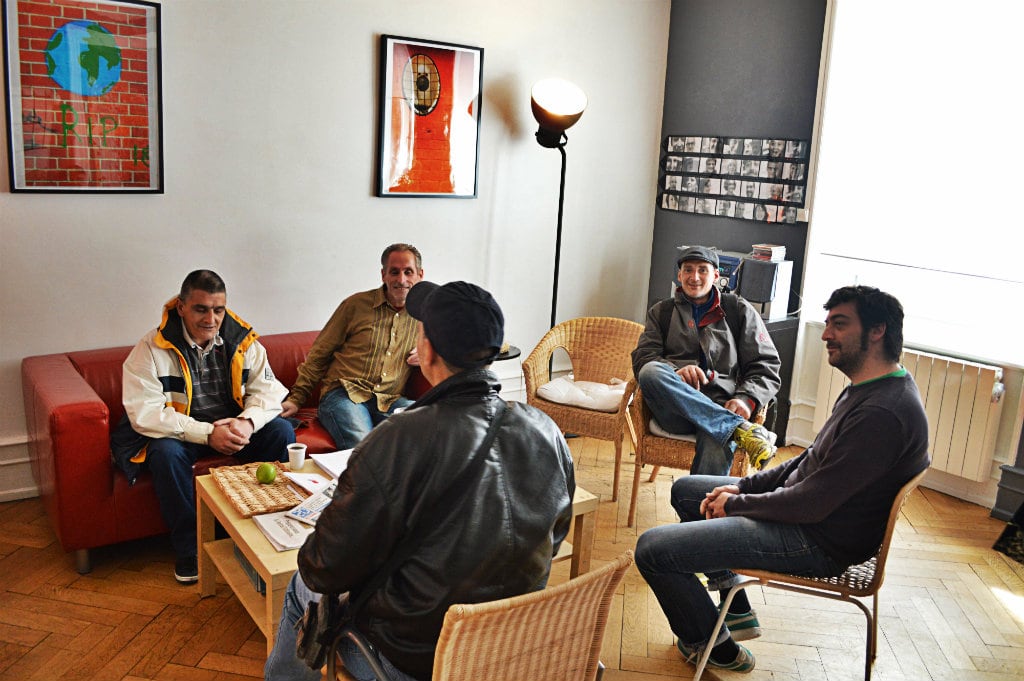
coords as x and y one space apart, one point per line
206 526
582 543
275 606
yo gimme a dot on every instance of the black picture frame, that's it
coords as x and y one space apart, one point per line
428 131
84 99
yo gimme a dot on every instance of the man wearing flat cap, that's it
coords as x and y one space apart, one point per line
474 495
706 364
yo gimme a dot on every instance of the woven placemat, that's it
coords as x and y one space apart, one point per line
248 495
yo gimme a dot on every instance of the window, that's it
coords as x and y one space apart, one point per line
919 180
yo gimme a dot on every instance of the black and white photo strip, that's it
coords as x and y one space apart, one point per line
738 177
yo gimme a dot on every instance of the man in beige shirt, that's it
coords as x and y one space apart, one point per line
362 356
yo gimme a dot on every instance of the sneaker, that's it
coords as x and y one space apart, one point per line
757 442
744 662
186 570
743 626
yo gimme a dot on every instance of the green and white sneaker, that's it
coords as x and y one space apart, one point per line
744 662
743 626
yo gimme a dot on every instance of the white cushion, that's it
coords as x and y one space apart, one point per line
656 429
584 394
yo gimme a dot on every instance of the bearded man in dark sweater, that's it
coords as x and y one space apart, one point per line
815 514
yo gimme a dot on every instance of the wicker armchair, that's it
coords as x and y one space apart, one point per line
599 349
858 581
549 635
664 451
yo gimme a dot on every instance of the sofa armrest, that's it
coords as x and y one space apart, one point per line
69 447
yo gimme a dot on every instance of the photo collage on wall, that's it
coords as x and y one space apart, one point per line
748 178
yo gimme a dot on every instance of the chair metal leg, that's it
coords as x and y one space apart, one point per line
874 627
872 644
364 647
705 654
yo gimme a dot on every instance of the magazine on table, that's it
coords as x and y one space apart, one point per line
311 482
284 533
333 463
309 510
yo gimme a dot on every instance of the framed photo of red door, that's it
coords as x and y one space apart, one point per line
429 127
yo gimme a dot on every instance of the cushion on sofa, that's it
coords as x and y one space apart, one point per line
584 394
311 432
656 429
286 351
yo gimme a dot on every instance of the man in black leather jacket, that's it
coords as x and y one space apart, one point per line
494 540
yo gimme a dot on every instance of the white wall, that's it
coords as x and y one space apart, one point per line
270 135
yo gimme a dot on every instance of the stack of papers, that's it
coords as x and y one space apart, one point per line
333 463
311 482
283 532
309 510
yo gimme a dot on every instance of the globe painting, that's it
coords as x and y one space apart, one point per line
84 58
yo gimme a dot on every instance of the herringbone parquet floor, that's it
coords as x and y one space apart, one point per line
952 609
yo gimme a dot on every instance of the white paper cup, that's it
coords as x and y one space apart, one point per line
296 456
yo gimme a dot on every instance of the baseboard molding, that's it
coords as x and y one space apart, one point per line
980 493
16 494
16 480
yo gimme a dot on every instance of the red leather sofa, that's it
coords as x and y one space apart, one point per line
73 400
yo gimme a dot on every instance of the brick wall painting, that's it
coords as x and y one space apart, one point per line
83 95
429 118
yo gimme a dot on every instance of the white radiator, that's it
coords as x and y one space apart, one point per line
962 400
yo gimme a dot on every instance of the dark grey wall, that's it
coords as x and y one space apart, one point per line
737 68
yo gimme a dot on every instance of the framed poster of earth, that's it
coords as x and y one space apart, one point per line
429 126
83 96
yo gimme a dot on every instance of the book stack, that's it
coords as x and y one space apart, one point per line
250 571
769 252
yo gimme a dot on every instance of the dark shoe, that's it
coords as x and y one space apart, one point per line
757 442
744 662
186 570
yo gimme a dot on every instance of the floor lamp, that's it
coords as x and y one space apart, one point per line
557 104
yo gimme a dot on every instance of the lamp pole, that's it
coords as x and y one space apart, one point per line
557 104
558 233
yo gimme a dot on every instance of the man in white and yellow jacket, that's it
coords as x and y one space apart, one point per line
199 382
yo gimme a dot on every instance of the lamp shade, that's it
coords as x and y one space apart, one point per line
557 104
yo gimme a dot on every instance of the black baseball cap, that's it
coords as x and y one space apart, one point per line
697 253
461 320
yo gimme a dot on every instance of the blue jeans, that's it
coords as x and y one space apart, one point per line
681 409
669 556
170 462
349 422
284 665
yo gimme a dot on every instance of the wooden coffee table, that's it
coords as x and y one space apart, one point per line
217 556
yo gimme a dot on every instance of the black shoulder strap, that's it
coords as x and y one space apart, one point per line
731 307
665 318
446 501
